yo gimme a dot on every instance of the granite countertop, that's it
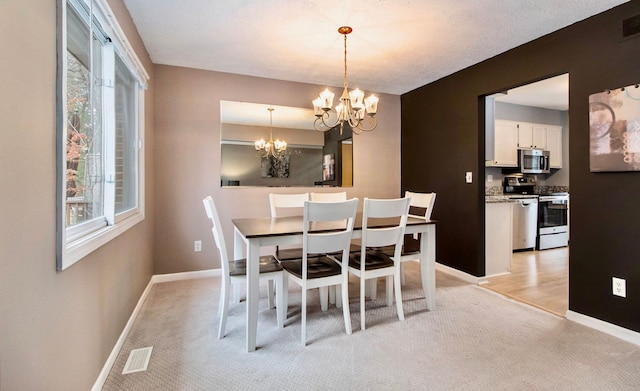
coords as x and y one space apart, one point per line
495 199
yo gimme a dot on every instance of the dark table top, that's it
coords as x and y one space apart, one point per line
278 226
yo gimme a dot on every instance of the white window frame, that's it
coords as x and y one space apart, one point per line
76 242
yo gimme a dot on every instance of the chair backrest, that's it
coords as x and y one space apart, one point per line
396 210
278 202
218 236
337 219
421 204
329 197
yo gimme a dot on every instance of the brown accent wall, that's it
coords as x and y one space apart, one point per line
56 329
443 136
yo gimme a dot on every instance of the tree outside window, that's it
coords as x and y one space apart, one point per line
80 185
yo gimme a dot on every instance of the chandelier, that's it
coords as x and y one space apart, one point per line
276 149
353 108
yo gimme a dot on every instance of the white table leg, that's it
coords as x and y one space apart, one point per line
428 265
238 244
253 272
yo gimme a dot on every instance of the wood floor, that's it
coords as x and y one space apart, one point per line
538 278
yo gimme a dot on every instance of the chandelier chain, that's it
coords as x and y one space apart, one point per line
270 124
346 83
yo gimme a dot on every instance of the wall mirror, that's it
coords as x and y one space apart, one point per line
311 158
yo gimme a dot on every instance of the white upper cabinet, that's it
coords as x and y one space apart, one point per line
554 145
532 135
505 152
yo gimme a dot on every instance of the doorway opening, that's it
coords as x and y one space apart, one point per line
531 116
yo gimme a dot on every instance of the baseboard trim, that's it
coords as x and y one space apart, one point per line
158 278
459 274
155 279
607 328
97 386
485 279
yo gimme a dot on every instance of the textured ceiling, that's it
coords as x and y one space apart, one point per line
396 45
551 93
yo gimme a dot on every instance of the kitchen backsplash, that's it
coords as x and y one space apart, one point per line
493 190
551 189
497 190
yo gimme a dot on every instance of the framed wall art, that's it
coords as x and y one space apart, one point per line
328 167
272 167
614 130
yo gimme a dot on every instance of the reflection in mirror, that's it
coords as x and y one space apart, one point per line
312 158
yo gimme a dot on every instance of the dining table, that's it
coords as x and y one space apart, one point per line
250 234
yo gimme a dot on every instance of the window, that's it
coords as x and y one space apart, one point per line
125 140
100 130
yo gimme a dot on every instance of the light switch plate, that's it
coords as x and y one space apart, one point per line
468 177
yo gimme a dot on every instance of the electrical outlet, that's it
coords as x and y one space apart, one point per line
468 177
619 287
489 178
197 246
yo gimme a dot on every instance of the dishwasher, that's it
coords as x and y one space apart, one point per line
525 223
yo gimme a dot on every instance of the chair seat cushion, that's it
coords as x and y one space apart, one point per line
375 259
268 264
288 254
320 267
354 249
411 246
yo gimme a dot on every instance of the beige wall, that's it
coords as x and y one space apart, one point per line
188 165
56 329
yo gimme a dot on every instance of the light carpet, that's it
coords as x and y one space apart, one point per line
473 340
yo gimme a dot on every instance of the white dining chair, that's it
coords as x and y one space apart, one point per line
326 270
371 262
287 205
331 197
283 204
328 197
235 272
421 206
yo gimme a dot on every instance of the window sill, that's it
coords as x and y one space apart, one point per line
84 246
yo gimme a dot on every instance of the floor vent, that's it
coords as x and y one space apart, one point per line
138 360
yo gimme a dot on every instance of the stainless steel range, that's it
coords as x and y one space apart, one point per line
553 217
550 221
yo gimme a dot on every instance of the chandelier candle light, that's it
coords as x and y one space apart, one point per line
352 107
277 148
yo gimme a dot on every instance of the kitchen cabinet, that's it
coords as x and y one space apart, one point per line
510 135
505 152
554 145
498 237
532 135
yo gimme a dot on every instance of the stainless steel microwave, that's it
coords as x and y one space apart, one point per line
533 161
